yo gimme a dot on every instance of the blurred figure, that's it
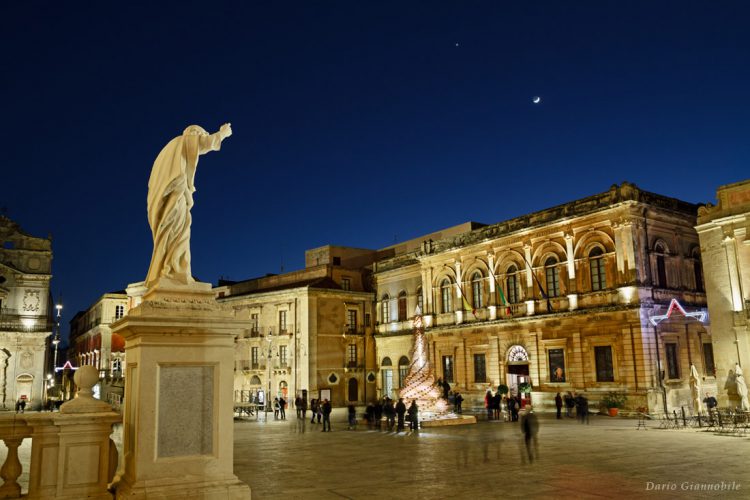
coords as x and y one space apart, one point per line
413 416
458 399
400 411
530 428
326 410
559 405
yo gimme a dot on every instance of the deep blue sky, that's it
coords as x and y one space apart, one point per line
355 123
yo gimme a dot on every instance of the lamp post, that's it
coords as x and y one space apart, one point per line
56 338
268 356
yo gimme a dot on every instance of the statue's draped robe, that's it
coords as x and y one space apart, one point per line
170 198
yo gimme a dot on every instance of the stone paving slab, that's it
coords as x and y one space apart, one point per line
608 458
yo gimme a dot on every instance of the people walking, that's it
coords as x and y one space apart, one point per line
530 427
559 405
298 405
326 409
413 416
488 404
400 412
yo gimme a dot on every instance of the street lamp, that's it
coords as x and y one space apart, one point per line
56 338
268 356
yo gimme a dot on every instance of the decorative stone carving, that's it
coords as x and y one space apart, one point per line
31 300
27 360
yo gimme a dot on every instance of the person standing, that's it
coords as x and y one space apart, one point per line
569 405
275 408
559 405
530 427
378 415
400 411
390 414
303 408
326 415
282 408
488 404
352 411
298 405
458 400
413 416
313 409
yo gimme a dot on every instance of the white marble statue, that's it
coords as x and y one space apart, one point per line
170 198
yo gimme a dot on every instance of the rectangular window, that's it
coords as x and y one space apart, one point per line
402 371
346 284
556 365
448 368
480 368
119 311
553 283
282 355
351 320
282 321
352 355
367 319
254 323
708 359
254 357
387 383
673 364
604 370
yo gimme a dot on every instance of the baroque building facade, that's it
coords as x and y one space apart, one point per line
601 294
724 232
25 314
311 330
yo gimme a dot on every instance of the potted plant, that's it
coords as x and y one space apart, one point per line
524 387
613 401
502 389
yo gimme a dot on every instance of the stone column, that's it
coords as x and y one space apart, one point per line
178 431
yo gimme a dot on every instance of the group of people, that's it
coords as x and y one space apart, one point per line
322 411
573 401
279 408
395 415
494 405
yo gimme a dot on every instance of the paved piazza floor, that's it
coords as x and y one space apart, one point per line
607 459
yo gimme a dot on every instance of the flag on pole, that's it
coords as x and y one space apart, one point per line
539 284
467 305
503 300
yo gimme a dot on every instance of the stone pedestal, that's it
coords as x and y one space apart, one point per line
178 420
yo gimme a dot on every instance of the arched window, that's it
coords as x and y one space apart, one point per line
402 306
385 316
698 271
511 285
353 392
661 268
596 266
517 353
420 300
553 282
445 294
476 290
387 374
403 370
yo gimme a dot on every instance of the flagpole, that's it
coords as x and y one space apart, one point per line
539 284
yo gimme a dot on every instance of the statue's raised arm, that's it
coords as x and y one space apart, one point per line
170 198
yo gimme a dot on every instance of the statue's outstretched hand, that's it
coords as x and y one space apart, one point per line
225 130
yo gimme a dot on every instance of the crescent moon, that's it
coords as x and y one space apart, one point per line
536 100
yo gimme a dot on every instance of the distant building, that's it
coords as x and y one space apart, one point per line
316 324
93 343
724 232
25 314
578 297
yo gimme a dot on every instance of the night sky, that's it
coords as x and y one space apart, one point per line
355 123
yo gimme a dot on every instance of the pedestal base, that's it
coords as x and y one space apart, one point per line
183 488
456 420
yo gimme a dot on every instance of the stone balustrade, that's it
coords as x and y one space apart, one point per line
72 455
